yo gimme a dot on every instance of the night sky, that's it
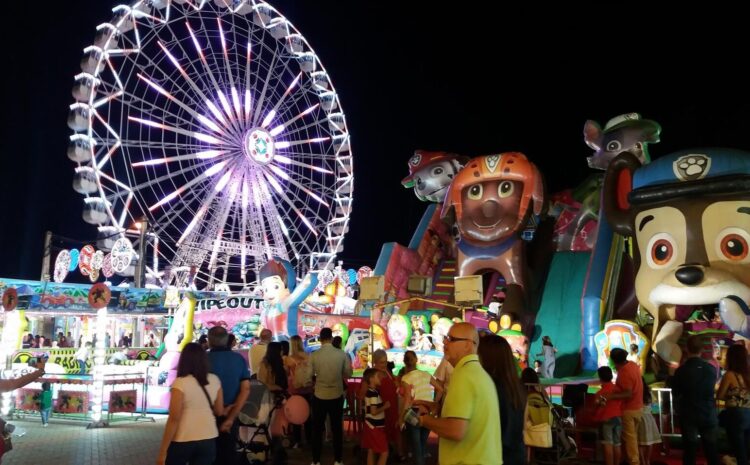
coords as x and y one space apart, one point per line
476 78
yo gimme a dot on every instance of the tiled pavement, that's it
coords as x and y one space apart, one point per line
122 443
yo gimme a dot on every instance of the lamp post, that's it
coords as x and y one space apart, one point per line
140 270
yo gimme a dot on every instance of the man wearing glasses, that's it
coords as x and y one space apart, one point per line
469 424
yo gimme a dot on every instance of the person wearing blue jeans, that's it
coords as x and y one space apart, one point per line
82 355
45 403
418 437
418 386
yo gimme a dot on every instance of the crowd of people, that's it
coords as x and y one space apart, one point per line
38 341
475 403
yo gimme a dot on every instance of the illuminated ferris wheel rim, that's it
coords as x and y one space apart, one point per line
259 147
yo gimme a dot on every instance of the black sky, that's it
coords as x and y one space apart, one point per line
470 77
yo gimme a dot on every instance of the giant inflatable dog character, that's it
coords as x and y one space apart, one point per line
493 197
430 174
689 215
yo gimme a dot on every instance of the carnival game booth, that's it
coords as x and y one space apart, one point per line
113 379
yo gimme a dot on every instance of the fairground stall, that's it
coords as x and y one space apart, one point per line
102 370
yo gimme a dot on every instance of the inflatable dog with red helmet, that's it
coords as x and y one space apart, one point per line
689 216
493 197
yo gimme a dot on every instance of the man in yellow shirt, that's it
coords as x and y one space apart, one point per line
469 425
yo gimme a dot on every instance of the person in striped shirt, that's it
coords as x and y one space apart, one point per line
373 433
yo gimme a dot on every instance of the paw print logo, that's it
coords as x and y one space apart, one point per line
691 167
414 161
492 161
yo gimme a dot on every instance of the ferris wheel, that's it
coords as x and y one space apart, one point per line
217 123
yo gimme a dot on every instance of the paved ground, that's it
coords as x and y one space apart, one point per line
122 443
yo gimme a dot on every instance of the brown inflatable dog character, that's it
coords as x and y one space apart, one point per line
493 197
689 215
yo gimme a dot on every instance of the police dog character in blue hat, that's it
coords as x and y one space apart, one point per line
689 216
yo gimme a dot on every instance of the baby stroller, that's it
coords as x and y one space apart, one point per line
264 432
563 446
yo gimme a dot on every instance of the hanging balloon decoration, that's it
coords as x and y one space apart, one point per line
62 265
74 253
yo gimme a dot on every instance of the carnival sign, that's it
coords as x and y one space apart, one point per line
10 299
99 296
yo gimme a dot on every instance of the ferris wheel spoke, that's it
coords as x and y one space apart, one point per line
157 145
282 174
204 155
289 161
276 225
261 98
151 109
306 127
281 127
212 170
284 144
182 71
206 121
281 193
196 135
272 113
202 177
231 121
248 95
174 84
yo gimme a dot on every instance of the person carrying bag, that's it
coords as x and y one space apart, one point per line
195 394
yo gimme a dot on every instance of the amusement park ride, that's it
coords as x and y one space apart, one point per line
216 124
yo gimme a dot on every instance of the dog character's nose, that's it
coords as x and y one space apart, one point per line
489 209
689 275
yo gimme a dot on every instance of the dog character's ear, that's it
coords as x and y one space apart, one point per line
592 134
618 183
538 194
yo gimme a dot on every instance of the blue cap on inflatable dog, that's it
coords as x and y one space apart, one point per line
692 165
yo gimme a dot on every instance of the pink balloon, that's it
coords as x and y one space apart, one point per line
296 410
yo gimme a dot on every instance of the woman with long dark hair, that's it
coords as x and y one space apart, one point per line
734 390
190 433
272 372
497 359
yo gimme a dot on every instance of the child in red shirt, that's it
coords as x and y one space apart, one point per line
608 415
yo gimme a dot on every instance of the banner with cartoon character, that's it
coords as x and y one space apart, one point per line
122 401
72 402
28 399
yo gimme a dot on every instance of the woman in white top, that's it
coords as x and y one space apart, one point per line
190 433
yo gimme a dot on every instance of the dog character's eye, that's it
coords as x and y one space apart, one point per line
638 146
437 171
475 192
614 146
662 251
732 244
505 189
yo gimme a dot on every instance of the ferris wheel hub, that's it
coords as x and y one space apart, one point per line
259 146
